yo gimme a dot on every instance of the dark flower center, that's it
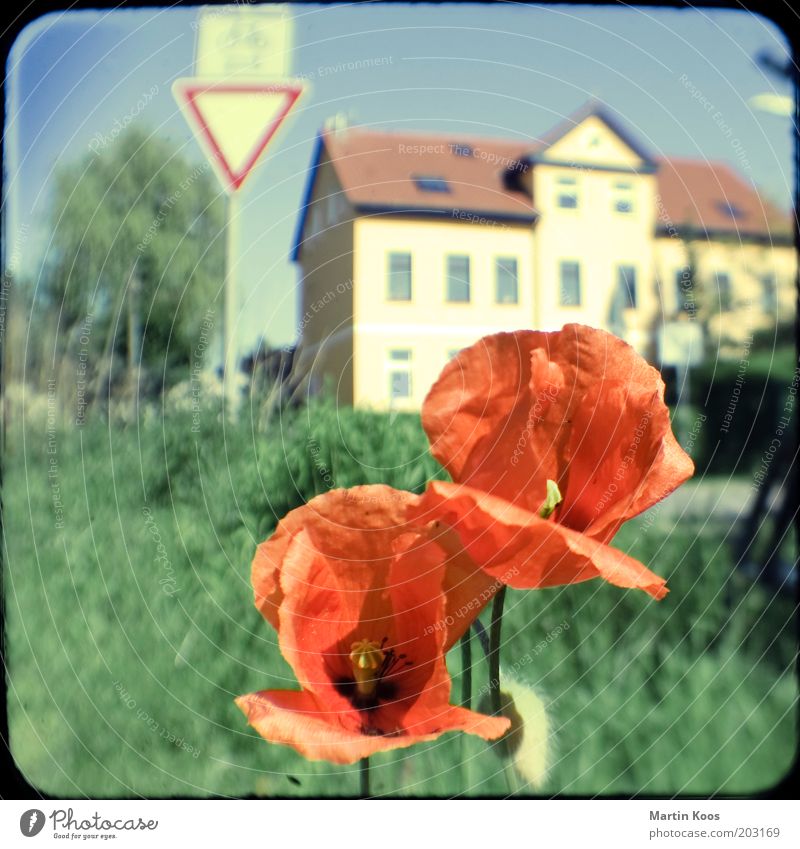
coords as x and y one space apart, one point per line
373 666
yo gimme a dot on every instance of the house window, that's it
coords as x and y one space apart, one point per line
398 284
431 184
568 200
769 294
722 281
623 198
567 196
458 279
506 280
626 283
684 290
570 284
399 373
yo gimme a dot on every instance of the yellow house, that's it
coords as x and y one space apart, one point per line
724 256
412 246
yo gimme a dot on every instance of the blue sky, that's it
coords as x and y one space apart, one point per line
499 70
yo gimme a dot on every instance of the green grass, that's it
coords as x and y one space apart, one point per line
112 651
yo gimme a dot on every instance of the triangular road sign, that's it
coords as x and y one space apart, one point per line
234 120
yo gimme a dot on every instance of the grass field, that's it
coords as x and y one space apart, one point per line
130 626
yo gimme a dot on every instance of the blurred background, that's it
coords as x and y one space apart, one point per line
445 174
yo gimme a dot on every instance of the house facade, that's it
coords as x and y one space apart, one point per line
412 246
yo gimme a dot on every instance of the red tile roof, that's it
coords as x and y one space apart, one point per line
712 197
377 169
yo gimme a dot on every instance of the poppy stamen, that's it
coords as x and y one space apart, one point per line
391 661
368 659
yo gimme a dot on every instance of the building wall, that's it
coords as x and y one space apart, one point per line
325 349
429 326
746 263
600 239
353 334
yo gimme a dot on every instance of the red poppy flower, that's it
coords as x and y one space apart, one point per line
361 607
372 519
518 412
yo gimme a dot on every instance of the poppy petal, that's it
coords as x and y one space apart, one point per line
447 717
371 515
466 587
478 415
672 467
432 713
336 523
418 629
526 552
265 572
471 722
512 412
327 605
295 719
616 458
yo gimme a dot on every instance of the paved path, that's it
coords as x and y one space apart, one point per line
723 499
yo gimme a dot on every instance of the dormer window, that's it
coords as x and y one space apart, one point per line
431 184
731 210
513 176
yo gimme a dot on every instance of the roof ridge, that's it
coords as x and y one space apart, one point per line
467 137
692 160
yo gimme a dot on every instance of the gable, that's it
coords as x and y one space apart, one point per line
594 142
324 202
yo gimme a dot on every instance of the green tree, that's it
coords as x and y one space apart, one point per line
137 244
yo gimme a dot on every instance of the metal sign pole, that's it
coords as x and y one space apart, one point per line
234 105
231 373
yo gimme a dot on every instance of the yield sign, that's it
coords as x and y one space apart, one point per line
235 120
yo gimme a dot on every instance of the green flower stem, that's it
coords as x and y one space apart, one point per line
495 696
494 649
363 769
466 671
466 702
483 637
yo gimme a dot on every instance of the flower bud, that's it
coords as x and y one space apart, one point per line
526 742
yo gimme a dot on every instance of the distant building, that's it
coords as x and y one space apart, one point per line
412 246
724 256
